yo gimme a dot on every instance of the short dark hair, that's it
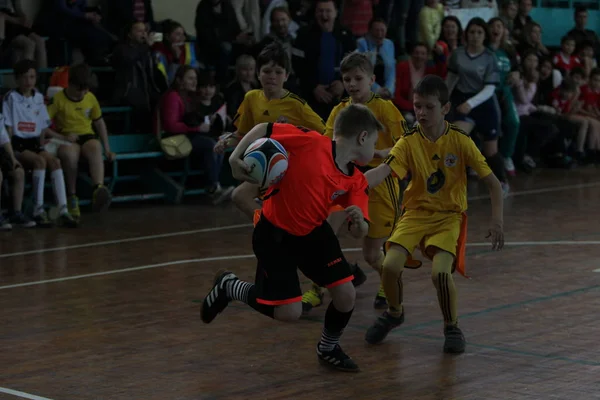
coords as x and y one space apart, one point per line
356 60
433 85
275 53
566 38
377 20
568 85
281 9
578 71
205 78
580 9
23 66
354 119
80 75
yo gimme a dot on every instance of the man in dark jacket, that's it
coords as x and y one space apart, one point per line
119 13
317 53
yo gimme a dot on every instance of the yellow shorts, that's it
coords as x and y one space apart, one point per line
384 208
428 228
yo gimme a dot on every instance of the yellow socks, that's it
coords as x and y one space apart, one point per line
441 275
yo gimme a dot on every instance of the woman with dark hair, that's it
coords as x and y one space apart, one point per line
508 67
174 50
450 39
532 39
472 80
191 107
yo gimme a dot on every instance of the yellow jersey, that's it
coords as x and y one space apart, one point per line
438 170
72 116
386 112
291 108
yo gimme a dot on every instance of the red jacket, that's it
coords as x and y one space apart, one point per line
403 93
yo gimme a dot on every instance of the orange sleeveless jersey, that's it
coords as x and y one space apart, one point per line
312 184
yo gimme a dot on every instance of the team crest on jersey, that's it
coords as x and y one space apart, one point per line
337 194
450 160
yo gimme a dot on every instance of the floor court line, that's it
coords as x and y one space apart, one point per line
228 227
245 256
22 395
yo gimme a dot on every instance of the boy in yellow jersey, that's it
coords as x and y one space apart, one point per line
272 103
384 200
78 118
436 154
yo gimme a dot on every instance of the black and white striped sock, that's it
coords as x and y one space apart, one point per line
329 340
238 290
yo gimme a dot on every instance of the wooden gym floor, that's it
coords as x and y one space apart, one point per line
111 310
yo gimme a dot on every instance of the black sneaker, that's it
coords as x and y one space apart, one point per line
382 326
337 359
359 275
216 300
455 340
19 219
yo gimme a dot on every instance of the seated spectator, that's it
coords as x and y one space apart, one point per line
590 94
219 36
28 124
245 81
10 167
356 15
16 33
566 103
187 110
71 19
292 25
174 50
565 60
120 13
532 39
78 118
408 74
522 20
138 82
382 57
549 79
508 13
280 21
587 58
430 23
450 39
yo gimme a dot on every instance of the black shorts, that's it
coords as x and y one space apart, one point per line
486 117
318 255
20 144
83 139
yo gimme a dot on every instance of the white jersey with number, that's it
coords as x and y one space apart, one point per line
27 116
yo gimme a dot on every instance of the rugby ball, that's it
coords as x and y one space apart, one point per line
267 160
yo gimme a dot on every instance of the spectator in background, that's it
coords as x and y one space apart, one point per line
11 168
450 39
383 58
430 23
587 57
523 18
357 14
508 14
549 79
248 16
187 110
268 17
16 33
318 51
532 40
217 32
245 81
508 68
580 33
71 19
120 13
472 79
77 116
408 74
174 50
280 21
138 82
565 60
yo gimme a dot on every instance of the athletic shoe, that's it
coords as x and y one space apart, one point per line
337 359
216 300
382 326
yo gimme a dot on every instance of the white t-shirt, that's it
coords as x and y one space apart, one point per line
27 116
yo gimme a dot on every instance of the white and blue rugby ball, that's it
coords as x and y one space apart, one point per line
267 160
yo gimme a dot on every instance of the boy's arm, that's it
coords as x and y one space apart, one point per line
239 169
496 231
100 127
377 175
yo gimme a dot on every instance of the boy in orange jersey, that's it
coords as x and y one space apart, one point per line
437 154
293 233
384 200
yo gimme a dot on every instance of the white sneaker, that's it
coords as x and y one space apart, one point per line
222 194
509 166
4 224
